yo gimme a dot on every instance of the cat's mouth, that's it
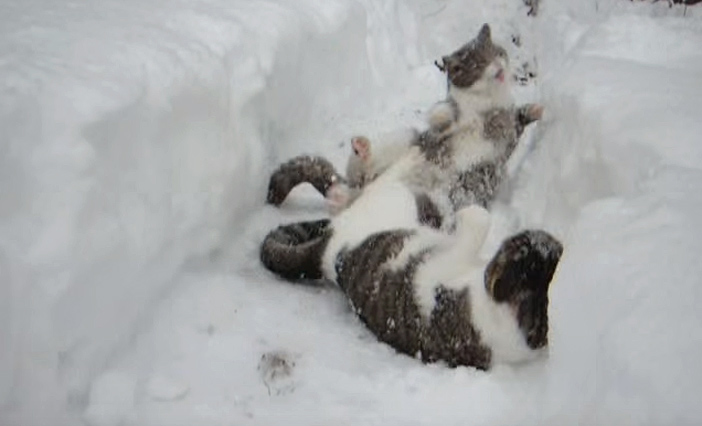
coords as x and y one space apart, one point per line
500 75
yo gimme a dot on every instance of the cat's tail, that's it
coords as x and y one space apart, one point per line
294 251
520 274
318 171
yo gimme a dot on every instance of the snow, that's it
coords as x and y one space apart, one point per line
137 138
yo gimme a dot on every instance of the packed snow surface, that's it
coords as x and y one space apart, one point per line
136 141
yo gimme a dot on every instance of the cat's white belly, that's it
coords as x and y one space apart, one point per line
471 149
385 207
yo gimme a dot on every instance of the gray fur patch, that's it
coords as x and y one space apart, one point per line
384 300
436 147
452 335
500 127
428 212
477 185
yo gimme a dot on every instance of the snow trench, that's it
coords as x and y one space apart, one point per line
137 139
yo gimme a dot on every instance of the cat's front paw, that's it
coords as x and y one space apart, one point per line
535 111
337 198
530 113
440 117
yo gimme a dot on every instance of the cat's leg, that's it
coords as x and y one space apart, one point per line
472 226
457 257
338 198
340 194
527 114
428 212
410 163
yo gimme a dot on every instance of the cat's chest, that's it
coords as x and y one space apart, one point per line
471 148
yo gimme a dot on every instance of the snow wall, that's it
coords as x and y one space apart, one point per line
139 135
135 136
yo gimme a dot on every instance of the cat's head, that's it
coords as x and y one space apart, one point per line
479 62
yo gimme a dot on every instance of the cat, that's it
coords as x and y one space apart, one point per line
426 293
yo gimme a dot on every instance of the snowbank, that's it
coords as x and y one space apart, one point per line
136 136
624 87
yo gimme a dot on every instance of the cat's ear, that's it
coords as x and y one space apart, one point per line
447 63
441 66
444 65
484 34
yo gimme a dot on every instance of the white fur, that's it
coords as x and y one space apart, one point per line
384 205
454 260
386 154
496 324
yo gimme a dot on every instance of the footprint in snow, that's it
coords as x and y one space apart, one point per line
276 369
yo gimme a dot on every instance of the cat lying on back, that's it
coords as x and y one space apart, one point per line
424 292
